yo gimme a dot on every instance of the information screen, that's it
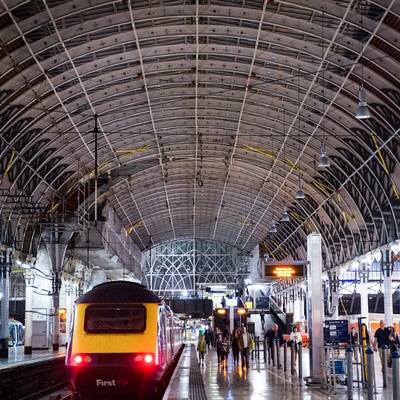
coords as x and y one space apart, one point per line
336 331
284 270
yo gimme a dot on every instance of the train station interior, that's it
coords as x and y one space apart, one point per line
231 156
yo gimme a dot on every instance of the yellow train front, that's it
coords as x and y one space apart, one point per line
122 343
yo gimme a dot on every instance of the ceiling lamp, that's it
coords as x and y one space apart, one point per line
323 162
285 216
299 194
362 111
273 228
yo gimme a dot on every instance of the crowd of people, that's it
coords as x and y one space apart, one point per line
239 344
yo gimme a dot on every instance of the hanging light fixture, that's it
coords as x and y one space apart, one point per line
323 162
300 194
285 216
273 228
362 111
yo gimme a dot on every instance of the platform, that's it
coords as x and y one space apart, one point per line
191 381
17 357
261 381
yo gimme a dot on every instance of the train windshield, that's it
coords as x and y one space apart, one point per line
115 318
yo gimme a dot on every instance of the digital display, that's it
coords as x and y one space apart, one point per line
284 270
336 331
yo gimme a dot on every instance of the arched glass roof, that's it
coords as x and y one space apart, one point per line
198 119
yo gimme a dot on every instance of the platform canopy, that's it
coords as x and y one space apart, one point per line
202 120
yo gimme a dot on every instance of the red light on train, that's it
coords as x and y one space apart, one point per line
81 359
147 359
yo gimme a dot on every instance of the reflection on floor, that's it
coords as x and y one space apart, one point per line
265 381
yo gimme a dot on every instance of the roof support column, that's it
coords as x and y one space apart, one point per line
387 269
29 276
315 305
5 270
363 272
56 248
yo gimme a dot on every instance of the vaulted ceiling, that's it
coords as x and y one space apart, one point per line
199 119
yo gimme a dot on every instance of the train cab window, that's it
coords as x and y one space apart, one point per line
115 319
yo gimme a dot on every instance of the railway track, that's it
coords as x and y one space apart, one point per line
47 380
33 381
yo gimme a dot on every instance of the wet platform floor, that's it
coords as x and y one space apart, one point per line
263 381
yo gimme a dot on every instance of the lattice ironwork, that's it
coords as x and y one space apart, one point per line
187 266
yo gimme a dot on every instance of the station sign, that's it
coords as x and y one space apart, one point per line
281 270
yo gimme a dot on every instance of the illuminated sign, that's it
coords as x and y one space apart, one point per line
278 269
241 310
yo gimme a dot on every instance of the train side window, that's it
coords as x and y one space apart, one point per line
115 318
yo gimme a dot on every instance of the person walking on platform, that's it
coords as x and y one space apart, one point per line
224 350
207 336
295 339
201 348
381 338
394 343
218 340
262 317
235 346
246 346
273 337
353 335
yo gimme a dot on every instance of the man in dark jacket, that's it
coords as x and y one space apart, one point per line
381 339
273 339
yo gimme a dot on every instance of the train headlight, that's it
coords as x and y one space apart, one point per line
148 359
81 359
78 359
144 359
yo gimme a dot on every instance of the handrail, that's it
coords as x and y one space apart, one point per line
277 312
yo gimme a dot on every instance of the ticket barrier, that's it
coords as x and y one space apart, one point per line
278 355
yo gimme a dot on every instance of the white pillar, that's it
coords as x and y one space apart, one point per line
315 305
387 284
71 293
29 276
5 270
363 271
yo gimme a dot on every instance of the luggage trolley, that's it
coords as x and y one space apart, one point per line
338 368
336 333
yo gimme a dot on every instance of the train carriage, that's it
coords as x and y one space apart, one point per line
123 341
16 333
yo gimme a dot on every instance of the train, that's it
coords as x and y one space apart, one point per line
123 343
16 331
